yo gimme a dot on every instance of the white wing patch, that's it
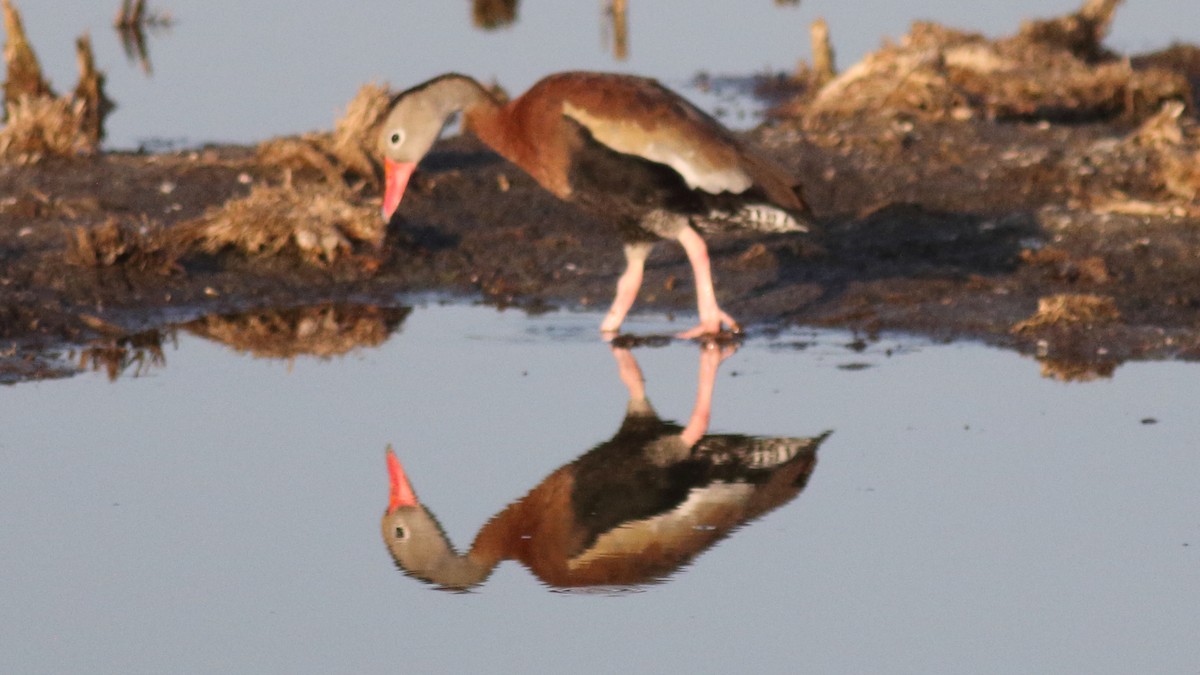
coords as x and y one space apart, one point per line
758 217
671 150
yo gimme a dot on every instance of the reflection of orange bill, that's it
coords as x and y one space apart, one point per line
402 493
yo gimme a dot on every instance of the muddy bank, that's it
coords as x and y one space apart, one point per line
1074 238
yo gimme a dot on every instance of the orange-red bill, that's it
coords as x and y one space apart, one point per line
401 493
395 181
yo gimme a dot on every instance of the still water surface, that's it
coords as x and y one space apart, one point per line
221 512
245 71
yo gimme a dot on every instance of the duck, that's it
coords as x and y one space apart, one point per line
627 513
624 148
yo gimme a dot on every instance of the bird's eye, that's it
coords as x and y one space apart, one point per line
397 137
400 533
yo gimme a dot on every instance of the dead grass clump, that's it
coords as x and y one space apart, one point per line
324 330
344 155
1070 308
38 122
1041 73
1061 266
1155 170
24 73
114 242
319 223
42 126
1080 33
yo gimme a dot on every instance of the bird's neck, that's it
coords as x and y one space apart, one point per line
459 571
459 93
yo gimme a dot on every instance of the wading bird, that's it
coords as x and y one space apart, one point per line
624 148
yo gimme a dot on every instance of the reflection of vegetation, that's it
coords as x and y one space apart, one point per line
492 14
618 17
140 352
131 24
631 511
322 330
1066 370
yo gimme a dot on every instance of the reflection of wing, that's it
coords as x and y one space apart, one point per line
722 483
638 116
652 548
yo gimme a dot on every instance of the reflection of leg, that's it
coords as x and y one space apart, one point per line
711 316
631 373
711 356
627 285
631 377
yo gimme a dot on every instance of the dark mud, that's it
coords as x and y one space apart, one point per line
945 229
1036 192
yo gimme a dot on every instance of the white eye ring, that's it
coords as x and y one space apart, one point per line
397 137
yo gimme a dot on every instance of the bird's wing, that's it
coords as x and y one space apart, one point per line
640 117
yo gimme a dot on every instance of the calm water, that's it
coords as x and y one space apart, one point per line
220 512
246 71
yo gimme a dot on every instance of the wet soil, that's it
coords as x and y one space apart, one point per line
941 228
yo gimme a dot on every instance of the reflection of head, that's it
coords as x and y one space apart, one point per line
421 550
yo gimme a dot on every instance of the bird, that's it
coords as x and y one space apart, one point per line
631 511
622 147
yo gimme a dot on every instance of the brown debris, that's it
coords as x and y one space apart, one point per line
114 242
1048 71
823 68
90 92
24 73
1080 33
345 154
1153 171
323 330
1069 308
1062 266
38 122
319 223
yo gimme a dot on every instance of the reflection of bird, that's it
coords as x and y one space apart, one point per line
622 147
630 511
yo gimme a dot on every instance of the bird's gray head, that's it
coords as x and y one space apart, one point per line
413 123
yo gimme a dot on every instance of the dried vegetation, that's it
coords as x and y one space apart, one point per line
114 242
38 122
1051 70
1070 308
319 223
318 211
346 154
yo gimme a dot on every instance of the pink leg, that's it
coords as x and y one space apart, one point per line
711 316
627 286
